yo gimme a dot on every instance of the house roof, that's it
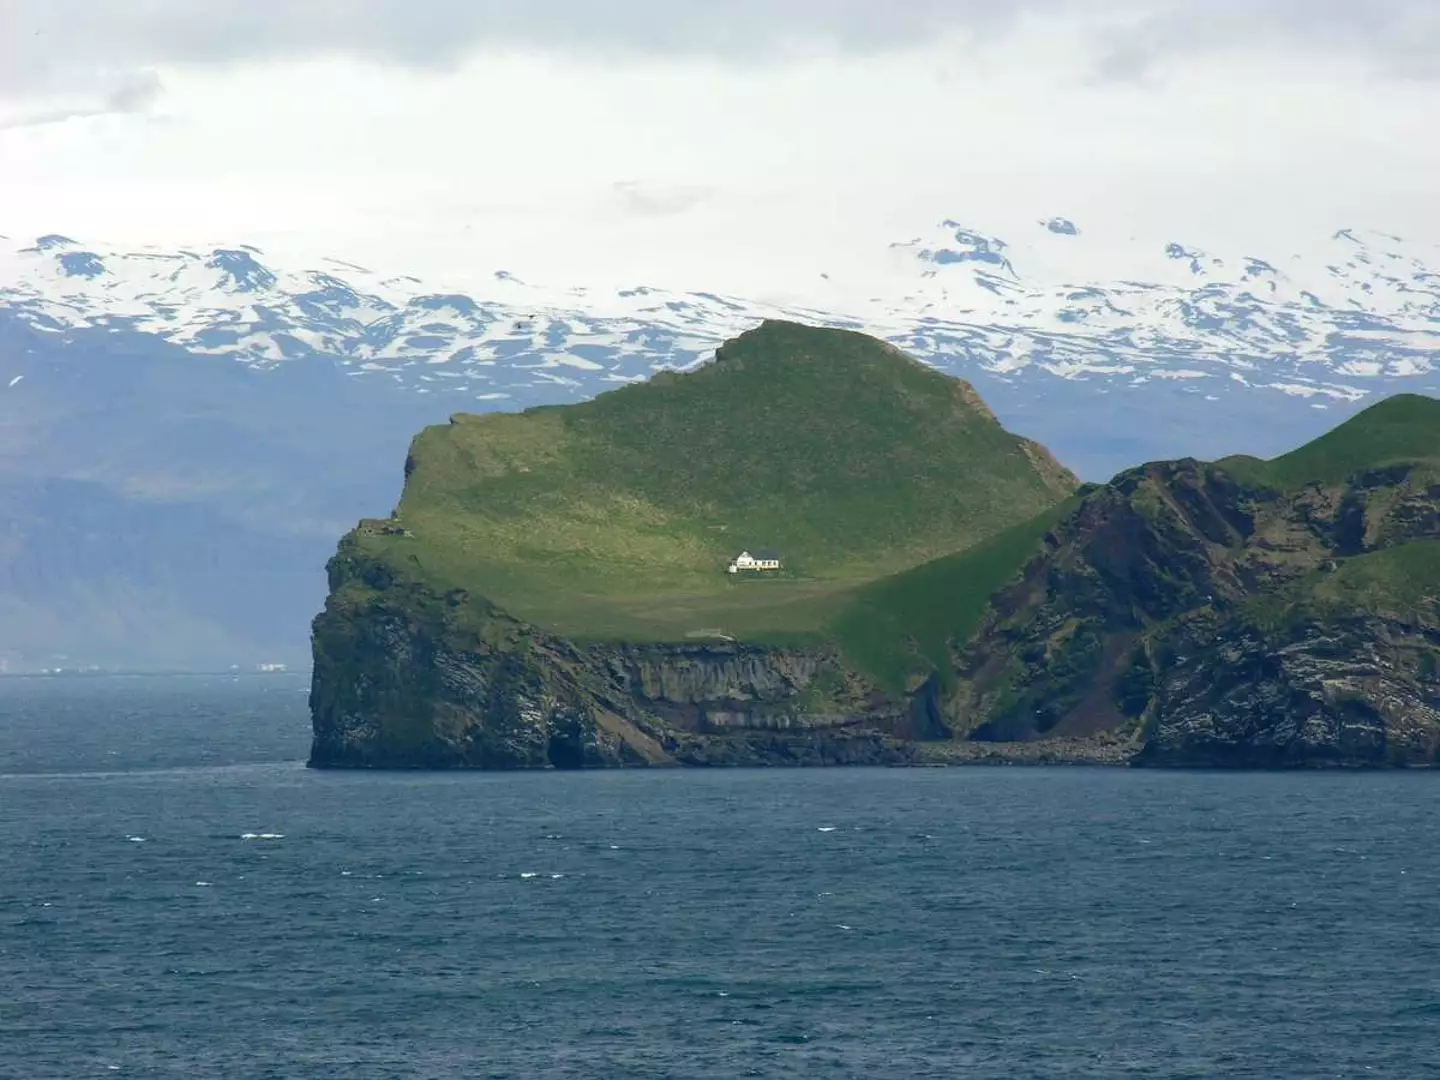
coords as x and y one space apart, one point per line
767 555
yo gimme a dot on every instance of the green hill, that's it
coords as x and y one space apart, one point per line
908 622
1404 429
615 519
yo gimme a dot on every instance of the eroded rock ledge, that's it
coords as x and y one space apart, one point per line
404 678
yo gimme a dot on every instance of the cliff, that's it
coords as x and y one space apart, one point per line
407 678
1229 614
1238 613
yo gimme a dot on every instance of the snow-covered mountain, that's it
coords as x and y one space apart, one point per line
1320 325
185 432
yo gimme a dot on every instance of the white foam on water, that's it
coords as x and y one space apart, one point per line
136 839
842 926
203 885
556 877
826 828
262 836
527 876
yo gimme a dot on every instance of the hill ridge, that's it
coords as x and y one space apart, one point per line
1399 429
852 458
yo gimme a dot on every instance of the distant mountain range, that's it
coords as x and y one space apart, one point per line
246 413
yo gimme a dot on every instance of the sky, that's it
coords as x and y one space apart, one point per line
735 145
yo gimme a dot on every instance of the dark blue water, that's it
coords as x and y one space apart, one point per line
866 923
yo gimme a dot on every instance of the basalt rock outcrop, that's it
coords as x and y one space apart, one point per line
408 679
1224 622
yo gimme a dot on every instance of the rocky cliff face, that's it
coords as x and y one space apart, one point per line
1185 614
1224 623
405 678
1348 691
1178 617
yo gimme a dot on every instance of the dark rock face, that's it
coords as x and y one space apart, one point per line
406 679
1181 604
1354 692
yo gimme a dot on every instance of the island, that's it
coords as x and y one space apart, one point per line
816 550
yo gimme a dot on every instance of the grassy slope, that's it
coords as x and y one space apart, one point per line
1403 428
1402 581
904 624
614 519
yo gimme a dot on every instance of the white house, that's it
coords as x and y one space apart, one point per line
764 559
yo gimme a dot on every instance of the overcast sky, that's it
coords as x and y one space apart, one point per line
733 144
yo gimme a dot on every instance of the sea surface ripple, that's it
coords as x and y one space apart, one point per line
180 897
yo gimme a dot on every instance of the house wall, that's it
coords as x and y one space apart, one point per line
750 563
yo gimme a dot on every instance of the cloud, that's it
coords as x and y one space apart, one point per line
650 200
48 45
49 38
133 92
745 177
136 93
1397 38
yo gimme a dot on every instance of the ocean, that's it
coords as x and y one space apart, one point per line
181 897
